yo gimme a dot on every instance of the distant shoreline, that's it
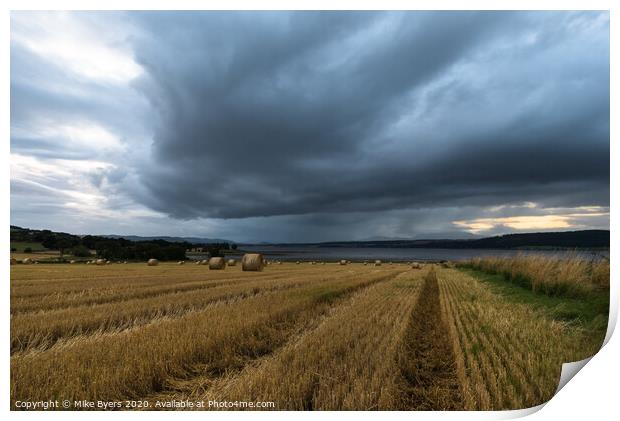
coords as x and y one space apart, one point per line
564 240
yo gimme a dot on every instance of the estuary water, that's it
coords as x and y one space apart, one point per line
306 252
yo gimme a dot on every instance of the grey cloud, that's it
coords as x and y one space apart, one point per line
45 94
282 114
311 126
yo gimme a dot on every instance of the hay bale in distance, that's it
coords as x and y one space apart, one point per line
343 262
232 262
217 263
100 262
377 262
152 262
71 262
181 262
416 265
253 262
27 261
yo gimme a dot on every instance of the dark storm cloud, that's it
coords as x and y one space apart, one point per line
299 126
263 114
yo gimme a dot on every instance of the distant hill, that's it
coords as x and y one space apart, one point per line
26 234
587 239
566 239
133 248
193 240
453 235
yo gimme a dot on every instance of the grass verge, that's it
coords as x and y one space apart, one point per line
591 311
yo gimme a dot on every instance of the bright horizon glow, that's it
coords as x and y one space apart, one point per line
526 223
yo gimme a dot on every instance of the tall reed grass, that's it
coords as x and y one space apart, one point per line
574 276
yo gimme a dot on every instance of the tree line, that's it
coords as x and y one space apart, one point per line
113 248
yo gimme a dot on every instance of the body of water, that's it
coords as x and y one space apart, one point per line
305 253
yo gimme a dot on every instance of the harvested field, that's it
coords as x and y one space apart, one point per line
508 355
300 336
129 361
348 362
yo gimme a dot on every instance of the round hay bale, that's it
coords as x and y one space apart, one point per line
152 262
181 262
71 262
343 262
279 262
377 262
27 261
88 262
298 262
13 261
204 262
217 263
108 262
197 262
36 263
100 262
232 262
252 262
416 265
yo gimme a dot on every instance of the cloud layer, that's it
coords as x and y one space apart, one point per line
310 126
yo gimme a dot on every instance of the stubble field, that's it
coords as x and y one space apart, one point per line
306 337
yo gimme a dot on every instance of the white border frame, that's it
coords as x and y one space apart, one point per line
592 393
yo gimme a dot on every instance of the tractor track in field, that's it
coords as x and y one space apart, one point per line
427 363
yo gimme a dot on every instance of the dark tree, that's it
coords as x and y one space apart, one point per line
80 251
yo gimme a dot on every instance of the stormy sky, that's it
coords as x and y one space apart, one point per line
309 126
